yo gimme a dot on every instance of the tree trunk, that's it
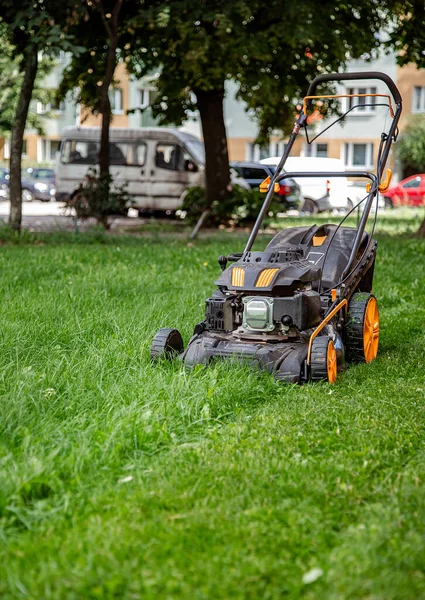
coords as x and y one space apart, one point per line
105 109
104 102
17 138
217 174
421 230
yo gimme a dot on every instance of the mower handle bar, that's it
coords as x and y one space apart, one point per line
294 174
357 75
362 225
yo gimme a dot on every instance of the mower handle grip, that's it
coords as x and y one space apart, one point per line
357 75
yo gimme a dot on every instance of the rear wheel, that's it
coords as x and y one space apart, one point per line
362 328
388 203
309 206
167 343
323 361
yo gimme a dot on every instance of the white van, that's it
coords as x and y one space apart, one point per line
320 193
156 164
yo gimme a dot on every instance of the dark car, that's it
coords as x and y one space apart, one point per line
43 174
31 188
254 173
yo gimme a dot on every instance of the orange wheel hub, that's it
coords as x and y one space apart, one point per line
371 330
331 362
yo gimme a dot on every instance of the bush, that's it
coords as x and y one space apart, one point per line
240 208
98 197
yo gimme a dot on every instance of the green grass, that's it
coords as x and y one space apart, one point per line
122 479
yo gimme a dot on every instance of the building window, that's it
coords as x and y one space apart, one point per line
143 98
57 106
6 150
255 153
24 149
42 108
418 101
358 155
317 150
46 150
276 148
362 104
115 98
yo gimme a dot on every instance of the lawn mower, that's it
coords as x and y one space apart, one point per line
303 308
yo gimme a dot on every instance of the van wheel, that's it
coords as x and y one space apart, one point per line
388 203
309 207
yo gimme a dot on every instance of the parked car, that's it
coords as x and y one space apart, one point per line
408 192
254 173
31 189
357 192
43 174
320 193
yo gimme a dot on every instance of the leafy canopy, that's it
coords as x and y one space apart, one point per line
271 51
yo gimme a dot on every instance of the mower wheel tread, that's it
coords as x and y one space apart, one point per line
167 343
355 327
318 359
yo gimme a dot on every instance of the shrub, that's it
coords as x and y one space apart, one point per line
98 197
240 208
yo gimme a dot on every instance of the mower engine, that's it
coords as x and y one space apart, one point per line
266 293
248 315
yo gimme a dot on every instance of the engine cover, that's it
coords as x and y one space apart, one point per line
258 313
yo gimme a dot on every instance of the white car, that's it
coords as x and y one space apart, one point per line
357 192
320 193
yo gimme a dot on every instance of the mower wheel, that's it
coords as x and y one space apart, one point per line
167 343
323 361
362 330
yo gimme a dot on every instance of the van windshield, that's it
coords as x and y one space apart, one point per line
197 150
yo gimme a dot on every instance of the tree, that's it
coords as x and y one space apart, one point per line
270 52
10 85
408 39
38 25
411 146
91 73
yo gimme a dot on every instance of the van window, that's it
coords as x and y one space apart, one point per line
86 152
169 156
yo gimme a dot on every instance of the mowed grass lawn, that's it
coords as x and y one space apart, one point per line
123 479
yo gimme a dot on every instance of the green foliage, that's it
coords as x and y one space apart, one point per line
411 146
270 53
11 77
407 35
86 71
99 197
239 208
124 480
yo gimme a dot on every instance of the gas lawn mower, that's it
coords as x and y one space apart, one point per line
303 307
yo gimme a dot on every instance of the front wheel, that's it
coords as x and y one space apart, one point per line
167 343
27 195
388 203
323 360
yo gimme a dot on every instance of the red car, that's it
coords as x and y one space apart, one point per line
409 192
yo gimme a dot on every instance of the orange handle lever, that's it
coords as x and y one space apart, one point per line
384 185
264 186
